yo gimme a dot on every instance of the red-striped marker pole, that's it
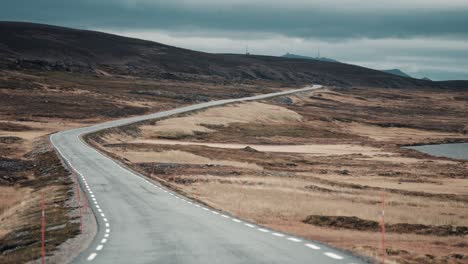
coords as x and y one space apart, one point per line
43 221
79 203
383 228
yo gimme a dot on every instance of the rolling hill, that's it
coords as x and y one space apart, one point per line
46 47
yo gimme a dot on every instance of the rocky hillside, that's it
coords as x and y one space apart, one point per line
45 47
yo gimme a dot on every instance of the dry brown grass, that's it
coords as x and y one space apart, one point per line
10 196
12 201
267 199
181 157
441 185
392 134
220 116
315 149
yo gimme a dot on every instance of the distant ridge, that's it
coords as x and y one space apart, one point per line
295 56
397 72
54 48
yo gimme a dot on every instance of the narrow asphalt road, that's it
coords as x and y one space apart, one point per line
140 221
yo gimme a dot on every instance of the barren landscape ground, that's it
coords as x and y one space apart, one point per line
316 165
34 104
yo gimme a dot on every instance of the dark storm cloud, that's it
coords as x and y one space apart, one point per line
306 22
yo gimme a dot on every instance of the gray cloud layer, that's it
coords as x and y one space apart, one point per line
306 22
316 22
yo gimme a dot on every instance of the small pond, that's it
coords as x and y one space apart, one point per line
452 150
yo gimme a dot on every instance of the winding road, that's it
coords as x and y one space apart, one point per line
140 221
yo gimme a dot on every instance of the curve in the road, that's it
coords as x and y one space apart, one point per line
151 224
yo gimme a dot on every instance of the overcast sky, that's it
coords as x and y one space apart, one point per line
421 37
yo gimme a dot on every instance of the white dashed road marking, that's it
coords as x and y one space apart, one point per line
92 256
85 187
312 246
293 239
333 255
278 234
